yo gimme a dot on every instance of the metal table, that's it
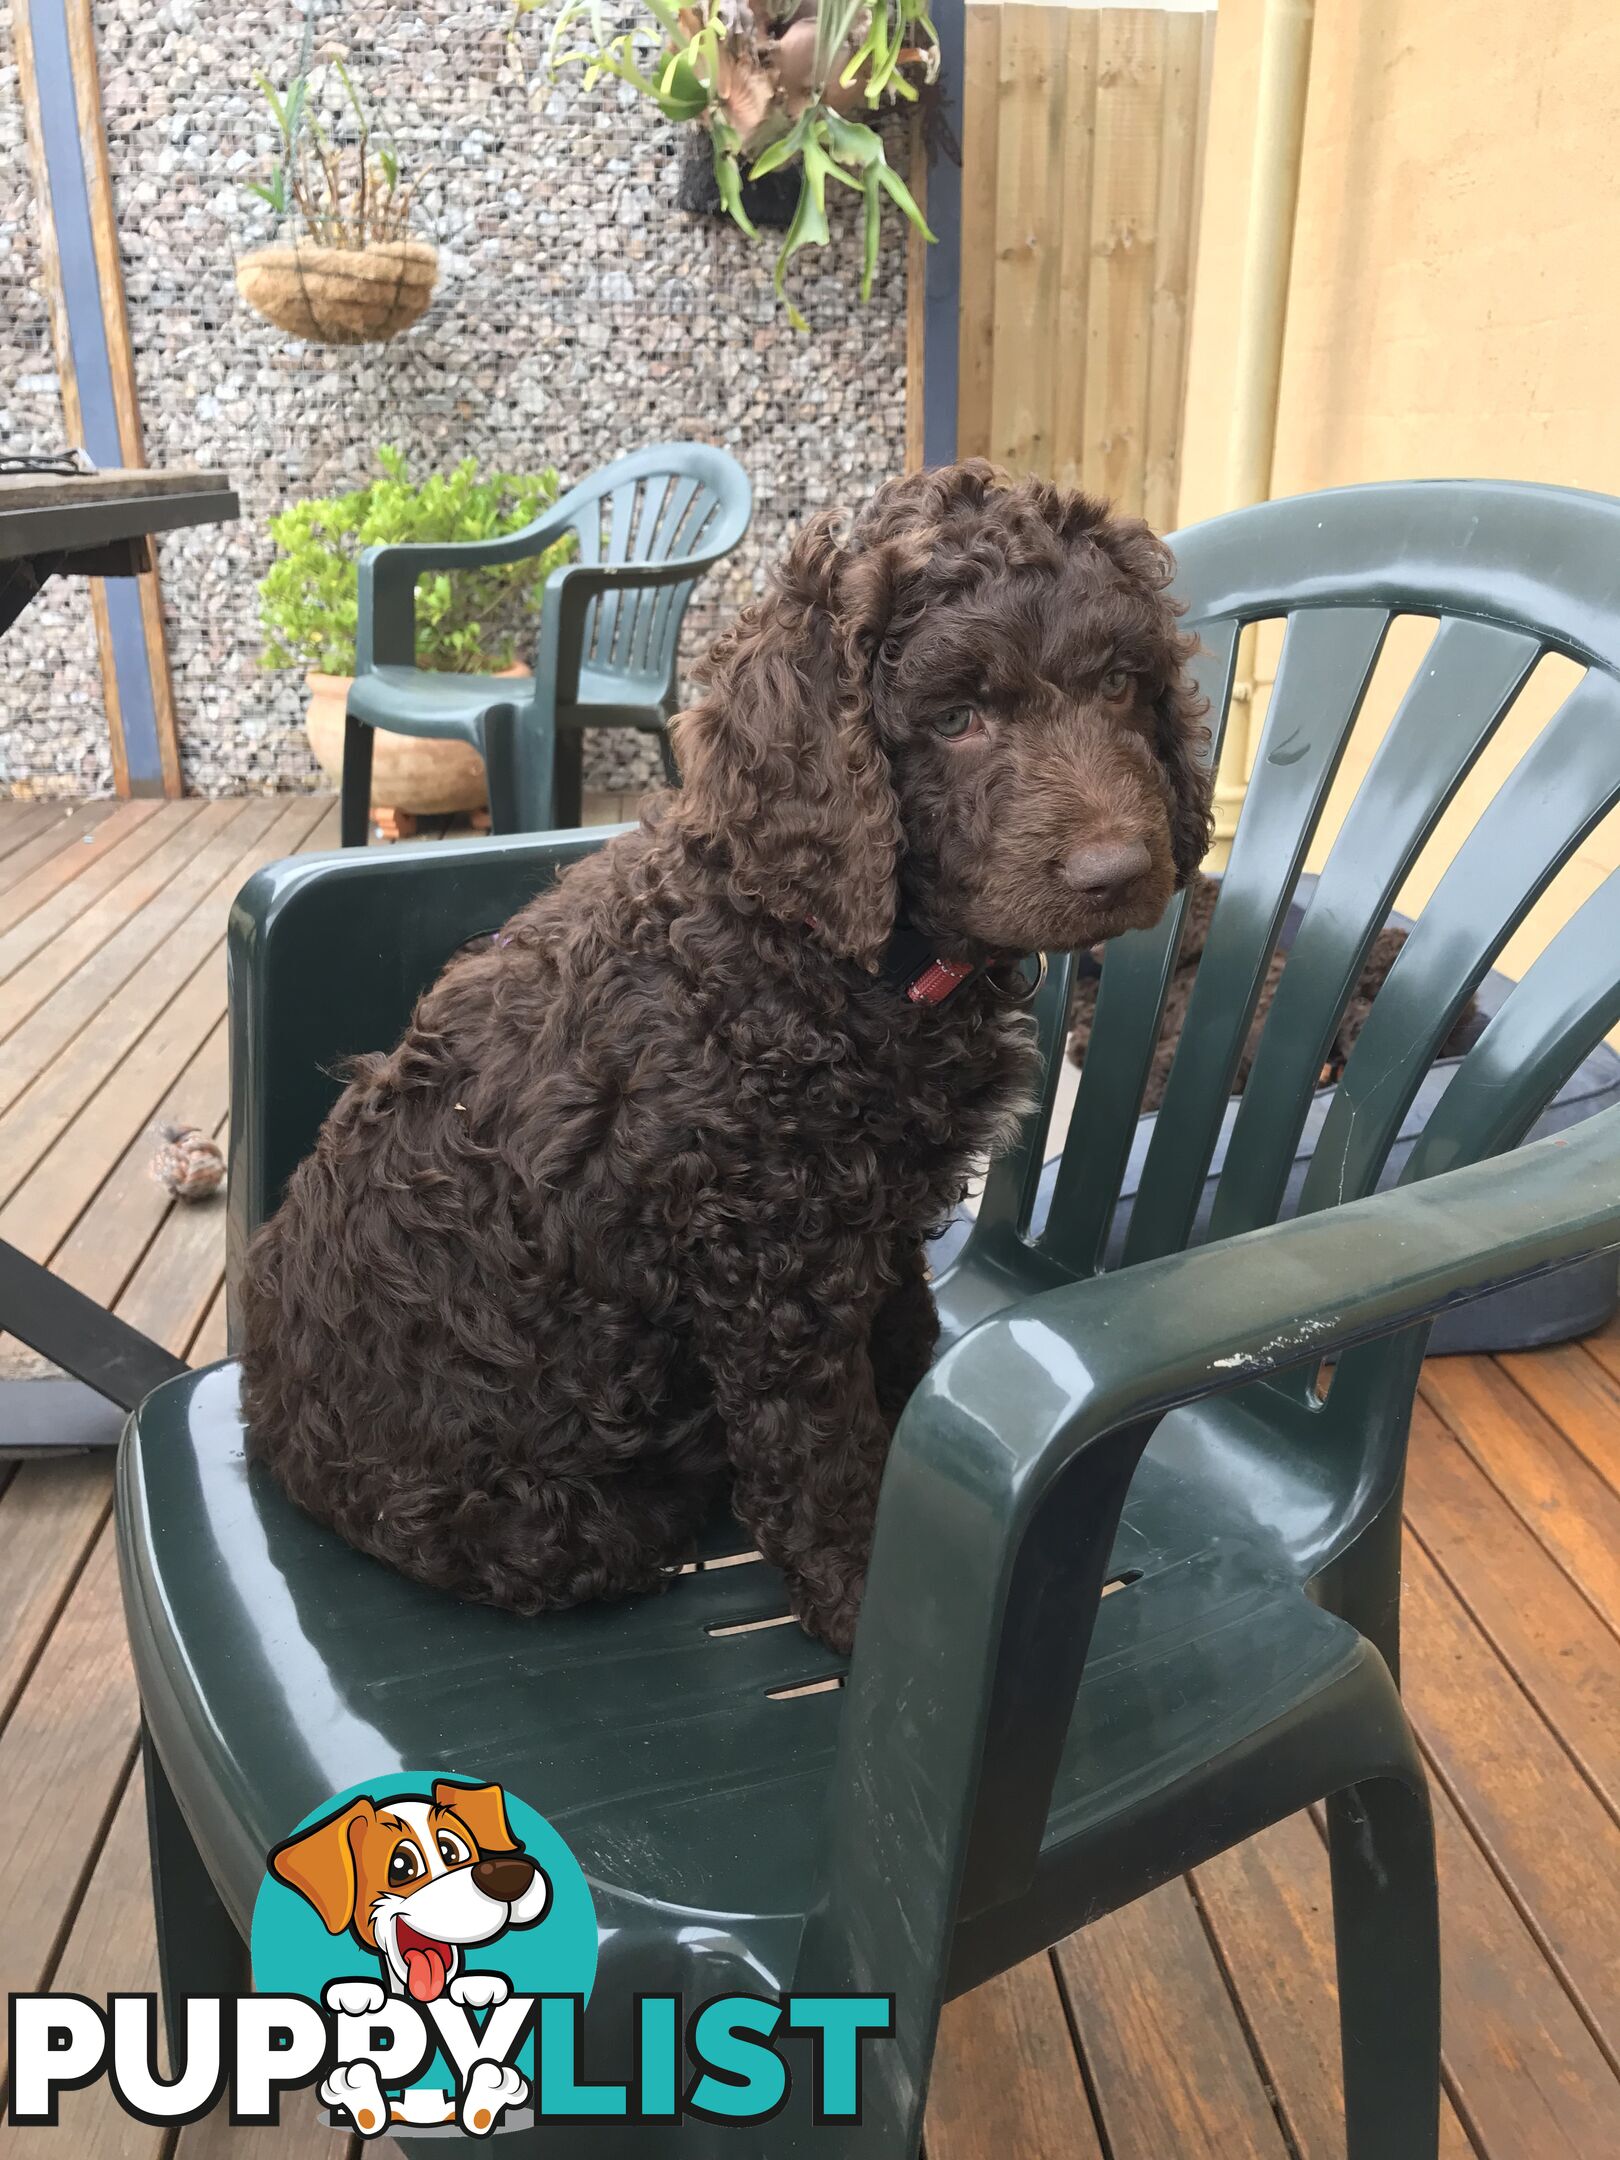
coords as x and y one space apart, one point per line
82 525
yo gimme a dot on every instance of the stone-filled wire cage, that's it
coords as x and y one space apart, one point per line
579 311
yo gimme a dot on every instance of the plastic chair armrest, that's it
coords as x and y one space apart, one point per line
386 626
1004 1488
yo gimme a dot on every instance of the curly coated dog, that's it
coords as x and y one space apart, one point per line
632 1221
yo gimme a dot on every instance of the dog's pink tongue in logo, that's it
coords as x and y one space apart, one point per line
427 1964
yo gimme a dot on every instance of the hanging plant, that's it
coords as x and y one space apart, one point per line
351 274
775 83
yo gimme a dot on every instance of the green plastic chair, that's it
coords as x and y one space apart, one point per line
647 528
1013 1753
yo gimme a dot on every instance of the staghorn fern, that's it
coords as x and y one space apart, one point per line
772 81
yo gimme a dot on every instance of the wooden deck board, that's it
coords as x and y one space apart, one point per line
50 857
48 947
1206 2099
54 922
1528 1609
23 822
1199 2023
1546 1834
1551 1486
65 1753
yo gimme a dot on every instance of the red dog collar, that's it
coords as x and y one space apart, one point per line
937 980
915 970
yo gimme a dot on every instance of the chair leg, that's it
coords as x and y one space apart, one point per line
498 737
199 1950
1363 1585
570 805
354 801
534 764
1387 1937
666 752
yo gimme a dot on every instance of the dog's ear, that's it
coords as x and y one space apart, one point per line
483 1809
319 1864
1184 752
1182 740
782 770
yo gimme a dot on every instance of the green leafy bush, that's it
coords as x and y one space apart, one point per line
467 622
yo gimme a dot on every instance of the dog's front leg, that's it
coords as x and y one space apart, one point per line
905 1334
807 1438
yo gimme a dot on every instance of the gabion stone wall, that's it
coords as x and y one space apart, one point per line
579 313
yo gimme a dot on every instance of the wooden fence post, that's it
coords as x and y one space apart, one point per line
1082 144
61 99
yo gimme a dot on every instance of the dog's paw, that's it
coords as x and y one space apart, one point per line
353 1998
479 1990
831 1617
357 2089
491 2088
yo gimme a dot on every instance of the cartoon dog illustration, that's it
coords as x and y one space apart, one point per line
416 1879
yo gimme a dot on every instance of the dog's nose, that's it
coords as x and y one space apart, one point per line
504 1877
1103 869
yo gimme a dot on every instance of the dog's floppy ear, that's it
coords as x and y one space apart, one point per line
781 765
1183 748
1183 741
319 1864
483 1809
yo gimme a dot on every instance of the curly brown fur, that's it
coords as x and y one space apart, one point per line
633 1218
1201 898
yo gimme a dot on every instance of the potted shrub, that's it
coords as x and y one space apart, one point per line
467 622
776 85
353 274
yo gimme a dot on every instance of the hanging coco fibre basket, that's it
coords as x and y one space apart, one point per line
340 295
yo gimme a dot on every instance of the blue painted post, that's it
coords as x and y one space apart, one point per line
147 764
942 294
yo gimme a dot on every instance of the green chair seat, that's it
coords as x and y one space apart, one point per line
415 701
668 1755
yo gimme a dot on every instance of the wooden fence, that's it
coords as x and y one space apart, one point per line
1082 143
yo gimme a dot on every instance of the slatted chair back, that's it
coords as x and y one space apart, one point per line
671 503
1509 573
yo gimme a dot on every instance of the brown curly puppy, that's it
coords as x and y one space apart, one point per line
633 1219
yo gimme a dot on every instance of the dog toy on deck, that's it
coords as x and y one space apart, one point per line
188 1163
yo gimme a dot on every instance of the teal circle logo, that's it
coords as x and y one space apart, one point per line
443 1894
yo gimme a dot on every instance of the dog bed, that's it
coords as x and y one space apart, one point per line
1553 1308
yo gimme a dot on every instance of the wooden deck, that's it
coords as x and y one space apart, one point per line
1197 2025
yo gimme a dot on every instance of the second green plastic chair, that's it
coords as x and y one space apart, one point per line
646 528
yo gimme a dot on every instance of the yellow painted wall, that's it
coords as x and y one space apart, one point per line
1454 307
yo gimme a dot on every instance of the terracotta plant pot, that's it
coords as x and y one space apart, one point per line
418 773
340 296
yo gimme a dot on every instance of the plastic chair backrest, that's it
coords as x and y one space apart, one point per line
1510 573
327 955
670 503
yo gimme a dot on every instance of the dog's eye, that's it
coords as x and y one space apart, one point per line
1115 683
959 721
451 1850
404 1865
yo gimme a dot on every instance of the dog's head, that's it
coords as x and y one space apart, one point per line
417 1878
975 708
